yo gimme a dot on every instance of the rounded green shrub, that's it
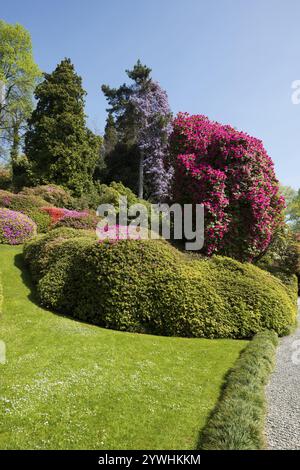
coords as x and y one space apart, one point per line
149 286
52 193
28 205
81 222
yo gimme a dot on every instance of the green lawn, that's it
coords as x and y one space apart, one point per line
69 385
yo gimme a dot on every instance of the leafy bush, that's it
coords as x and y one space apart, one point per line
29 205
282 259
237 423
5 178
111 194
149 286
231 174
56 195
60 217
81 222
15 227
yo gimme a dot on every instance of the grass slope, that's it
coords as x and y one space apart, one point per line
69 385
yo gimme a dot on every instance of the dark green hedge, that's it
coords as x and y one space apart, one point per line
149 286
237 423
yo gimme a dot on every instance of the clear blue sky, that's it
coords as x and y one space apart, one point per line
232 60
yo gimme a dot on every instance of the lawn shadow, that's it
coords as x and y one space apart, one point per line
26 278
33 295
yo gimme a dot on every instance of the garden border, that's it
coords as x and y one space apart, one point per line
238 420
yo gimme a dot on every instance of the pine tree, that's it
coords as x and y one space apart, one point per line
58 144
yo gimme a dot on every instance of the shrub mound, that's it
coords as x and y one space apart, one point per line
149 286
29 205
82 220
15 227
237 423
52 193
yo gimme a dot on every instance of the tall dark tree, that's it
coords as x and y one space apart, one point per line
58 144
121 151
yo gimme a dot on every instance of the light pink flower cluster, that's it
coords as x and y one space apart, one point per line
116 233
231 173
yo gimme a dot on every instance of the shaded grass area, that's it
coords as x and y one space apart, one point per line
237 423
69 385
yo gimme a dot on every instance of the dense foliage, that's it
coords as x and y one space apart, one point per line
293 212
18 77
61 217
5 178
148 286
29 205
232 175
59 146
15 227
52 193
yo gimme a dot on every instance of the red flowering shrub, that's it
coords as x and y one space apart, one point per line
80 222
61 217
231 173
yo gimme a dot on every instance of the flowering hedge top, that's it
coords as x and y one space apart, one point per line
15 227
231 173
58 213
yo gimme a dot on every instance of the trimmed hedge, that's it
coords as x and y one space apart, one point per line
237 423
149 286
29 205
15 227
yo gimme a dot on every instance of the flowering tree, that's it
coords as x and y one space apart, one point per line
153 124
233 176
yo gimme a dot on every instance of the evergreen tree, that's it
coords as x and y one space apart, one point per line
58 144
110 134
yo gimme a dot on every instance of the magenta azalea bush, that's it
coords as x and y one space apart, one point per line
231 173
15 227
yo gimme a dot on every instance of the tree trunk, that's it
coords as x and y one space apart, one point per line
14 151
141 176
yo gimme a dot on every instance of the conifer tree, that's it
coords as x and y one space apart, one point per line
58 144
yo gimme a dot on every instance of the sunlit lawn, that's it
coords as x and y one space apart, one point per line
69 385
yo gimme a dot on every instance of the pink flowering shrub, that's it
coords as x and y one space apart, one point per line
231 173
116 233
15 227
57 213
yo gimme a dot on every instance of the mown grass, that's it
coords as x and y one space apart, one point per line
237 423
69 385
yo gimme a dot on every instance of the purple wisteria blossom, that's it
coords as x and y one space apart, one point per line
153 117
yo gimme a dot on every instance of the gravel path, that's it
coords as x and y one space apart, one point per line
283 395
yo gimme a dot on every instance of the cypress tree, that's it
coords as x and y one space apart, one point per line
58 144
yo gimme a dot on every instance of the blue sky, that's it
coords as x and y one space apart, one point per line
232 60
